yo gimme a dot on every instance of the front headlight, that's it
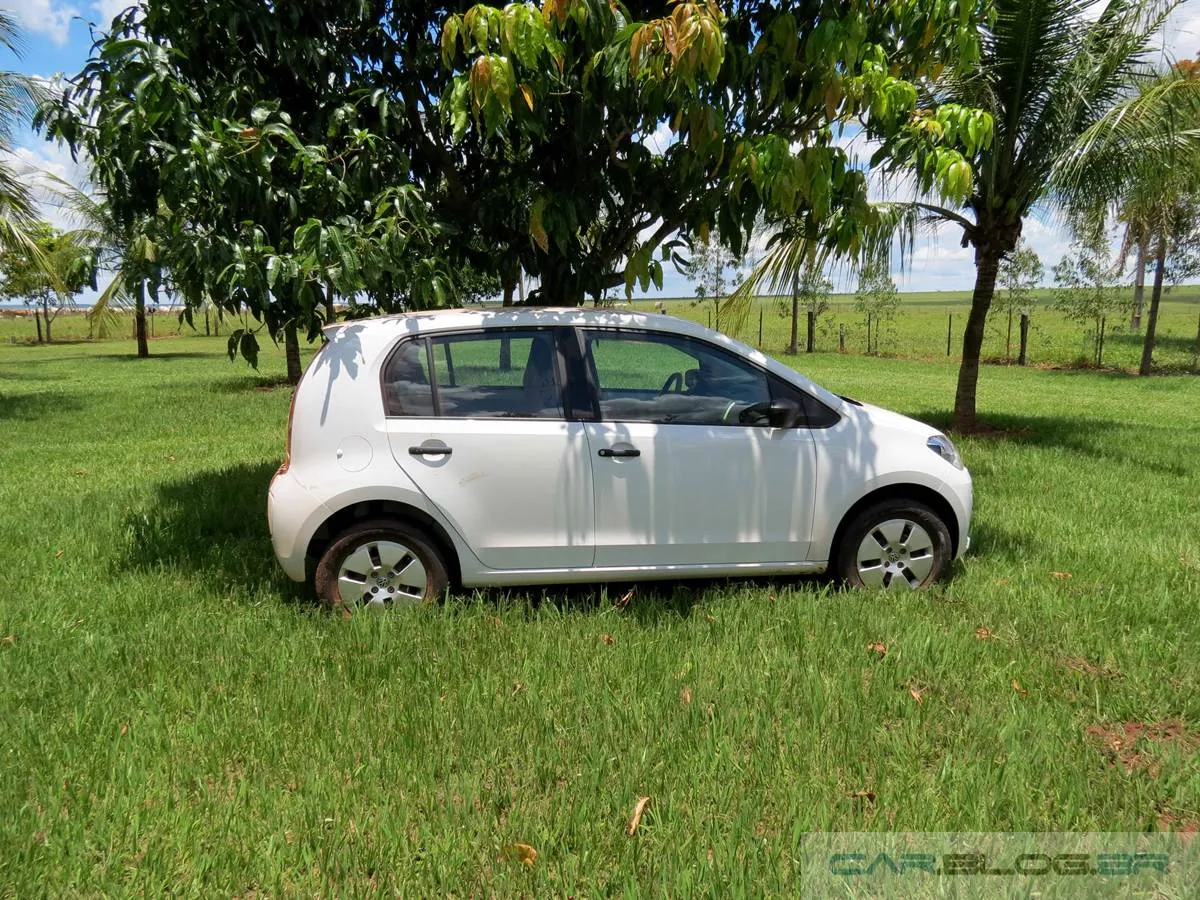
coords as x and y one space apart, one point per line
944 447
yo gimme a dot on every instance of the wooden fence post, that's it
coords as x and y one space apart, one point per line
949 330
812 327
842 338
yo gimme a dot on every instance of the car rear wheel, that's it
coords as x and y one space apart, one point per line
378 564
894 545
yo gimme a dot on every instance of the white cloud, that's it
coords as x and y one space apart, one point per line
104 11
50 18
662 138
1181 37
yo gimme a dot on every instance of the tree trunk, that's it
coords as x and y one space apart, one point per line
1021 359
1008 339
1139 287
1160 264
510 285
37 318
793 347
46 316
812 332
139 322
207 324
291 350
987 264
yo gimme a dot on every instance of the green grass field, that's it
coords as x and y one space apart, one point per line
180 719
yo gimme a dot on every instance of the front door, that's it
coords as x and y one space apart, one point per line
477 421
686 470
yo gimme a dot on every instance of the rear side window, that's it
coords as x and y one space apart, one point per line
509 374
407 389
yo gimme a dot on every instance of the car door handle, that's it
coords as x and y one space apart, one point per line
430 451
619 452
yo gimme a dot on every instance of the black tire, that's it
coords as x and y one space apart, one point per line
903 558
382 584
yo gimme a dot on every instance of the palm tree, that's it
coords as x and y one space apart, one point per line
1155 195
19 96
1059 79
133 258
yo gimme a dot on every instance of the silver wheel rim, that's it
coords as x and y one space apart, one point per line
897 554
382 573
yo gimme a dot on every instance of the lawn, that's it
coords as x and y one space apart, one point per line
180 718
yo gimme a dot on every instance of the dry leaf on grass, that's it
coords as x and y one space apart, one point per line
525 854
624 601
685 695
916 695
1061 576
58 554
608 639
8 640
879 647
518 687
636 819
868 797
983 633
1016 686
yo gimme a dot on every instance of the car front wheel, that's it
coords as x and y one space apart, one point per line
894 545
379 564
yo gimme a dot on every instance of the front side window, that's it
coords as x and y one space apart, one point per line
509 374
668 379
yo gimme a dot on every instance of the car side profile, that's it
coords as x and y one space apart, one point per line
537 446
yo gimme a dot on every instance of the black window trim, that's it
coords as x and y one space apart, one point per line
594 386
427 337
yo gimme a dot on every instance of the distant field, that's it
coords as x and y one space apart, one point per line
179 719
919 330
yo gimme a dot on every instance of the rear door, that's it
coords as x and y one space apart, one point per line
685 473
478 421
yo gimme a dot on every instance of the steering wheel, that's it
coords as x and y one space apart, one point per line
673 384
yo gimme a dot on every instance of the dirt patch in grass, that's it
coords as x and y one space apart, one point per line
1135 746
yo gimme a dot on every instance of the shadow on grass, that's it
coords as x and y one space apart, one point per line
244 383
27 407
154 357
644 601
212 527
1101 439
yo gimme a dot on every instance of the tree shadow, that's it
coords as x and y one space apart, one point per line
1103 439
28 407
155 357
212 527
243 383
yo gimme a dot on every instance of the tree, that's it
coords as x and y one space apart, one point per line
877 299
18 97
750 91
709 269
1020 273
810 291
48 274
1157 197
1089 287
1059 81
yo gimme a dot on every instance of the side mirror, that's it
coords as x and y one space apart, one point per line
783 414
776 414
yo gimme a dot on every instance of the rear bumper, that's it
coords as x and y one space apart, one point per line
293 515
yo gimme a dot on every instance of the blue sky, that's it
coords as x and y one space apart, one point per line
57 40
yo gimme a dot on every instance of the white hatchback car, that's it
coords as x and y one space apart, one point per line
535 446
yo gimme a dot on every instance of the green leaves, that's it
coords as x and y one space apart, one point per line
243 342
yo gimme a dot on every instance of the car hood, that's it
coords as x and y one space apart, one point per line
876 417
